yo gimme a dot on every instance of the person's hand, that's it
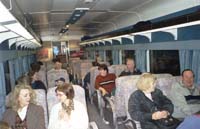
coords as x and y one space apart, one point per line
159 115
164 114
103 91
156 115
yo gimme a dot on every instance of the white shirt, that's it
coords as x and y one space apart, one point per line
78 117
22 113
148 95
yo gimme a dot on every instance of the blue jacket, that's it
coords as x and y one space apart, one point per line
190 122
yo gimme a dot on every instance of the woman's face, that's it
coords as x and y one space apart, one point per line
61 96
24 97
152 87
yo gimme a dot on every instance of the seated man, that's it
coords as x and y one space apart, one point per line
56 73
185 95
105 81
131 70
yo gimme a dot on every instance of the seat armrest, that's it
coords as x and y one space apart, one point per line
93 125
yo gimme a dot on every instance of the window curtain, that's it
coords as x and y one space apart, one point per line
101 55
21 67
195 65
190 59
2 90
25 64
115 57
17 68
91 55
185 57
12 73
140 60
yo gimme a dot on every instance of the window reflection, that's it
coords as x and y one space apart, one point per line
127 54
165 61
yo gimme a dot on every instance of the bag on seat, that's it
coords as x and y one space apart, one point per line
167 123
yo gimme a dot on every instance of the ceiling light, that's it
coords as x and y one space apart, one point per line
20 30
5 15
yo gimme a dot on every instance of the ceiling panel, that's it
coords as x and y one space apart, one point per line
47 17
59 17
63 5
105 4
40 18
107 16
125 5
33 6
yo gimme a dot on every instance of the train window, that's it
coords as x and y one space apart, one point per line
165 61
7 76
109 57
127 54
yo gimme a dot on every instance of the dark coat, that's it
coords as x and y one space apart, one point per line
141 108
38 85
127 73
35 117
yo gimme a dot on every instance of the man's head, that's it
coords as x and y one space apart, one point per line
60 81
130 63
103 69
188 77
57 63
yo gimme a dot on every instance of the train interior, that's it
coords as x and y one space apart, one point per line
162 36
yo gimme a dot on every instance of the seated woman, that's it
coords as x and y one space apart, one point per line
68 113
148 104
24 114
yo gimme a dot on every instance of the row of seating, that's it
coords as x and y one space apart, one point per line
116 69
47 101
126 85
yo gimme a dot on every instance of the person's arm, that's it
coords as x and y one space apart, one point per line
135 109
81 117
179 100
166 104
40 120
52 117
8 117
97 81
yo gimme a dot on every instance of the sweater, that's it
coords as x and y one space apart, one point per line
107 82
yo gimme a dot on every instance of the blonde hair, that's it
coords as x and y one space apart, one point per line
146 81
15 95
23 80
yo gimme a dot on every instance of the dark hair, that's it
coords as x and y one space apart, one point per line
35 66
31 73
40 62
23 80
187 70
56 60
60 79
68 90
103 67
94 63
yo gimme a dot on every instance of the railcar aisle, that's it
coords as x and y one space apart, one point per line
94 116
